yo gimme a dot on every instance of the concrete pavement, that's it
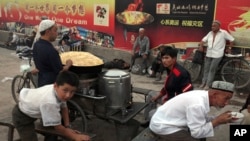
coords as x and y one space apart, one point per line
9 67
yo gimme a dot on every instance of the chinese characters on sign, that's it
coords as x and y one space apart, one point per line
189 14
190 9
72 9
184 23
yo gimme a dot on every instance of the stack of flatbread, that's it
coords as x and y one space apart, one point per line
81 58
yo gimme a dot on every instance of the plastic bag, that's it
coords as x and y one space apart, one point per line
136 69
198 57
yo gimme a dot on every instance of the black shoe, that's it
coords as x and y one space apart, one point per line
151 76
145 124
158 79
129 70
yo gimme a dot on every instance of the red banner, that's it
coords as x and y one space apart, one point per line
178 22
97 15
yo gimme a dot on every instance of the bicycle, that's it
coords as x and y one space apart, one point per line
232 68
26 80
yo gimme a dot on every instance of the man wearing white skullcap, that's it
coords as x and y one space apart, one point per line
186 116
37 32
45 24
46 57
216 41
48 62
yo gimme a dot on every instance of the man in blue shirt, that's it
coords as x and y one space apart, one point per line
46 58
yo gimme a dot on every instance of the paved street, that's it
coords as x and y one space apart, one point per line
9 67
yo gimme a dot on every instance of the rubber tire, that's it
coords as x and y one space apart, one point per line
234 74
75 111
194 69
16 85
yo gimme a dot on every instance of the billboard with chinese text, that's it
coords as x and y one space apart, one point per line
115 23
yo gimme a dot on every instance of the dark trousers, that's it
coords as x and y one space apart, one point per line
157 67
24 124
181 135
137 55
26 127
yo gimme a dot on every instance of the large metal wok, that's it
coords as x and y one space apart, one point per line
86 69
83 62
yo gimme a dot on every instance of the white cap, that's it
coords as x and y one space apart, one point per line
141 29
45 24
223 86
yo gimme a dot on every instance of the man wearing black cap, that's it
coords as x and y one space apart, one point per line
46 57
216 42
185 117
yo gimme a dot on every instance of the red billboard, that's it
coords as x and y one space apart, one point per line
115 23
165 21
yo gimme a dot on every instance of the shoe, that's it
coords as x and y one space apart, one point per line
129 70
206 87
202 86
158 79
151 76
145 124
144 71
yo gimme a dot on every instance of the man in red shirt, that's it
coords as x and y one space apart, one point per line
178 80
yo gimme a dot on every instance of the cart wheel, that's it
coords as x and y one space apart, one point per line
77 117
236 71
194 69
16 86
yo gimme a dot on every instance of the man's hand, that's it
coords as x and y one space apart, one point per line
132 53
69 62
153 99
82 137
144 56
34 71
200 48
222 118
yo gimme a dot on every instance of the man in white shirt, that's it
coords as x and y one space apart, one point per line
216 43
185 117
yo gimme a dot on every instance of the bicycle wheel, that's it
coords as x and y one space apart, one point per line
193 68
236 71
31 82
20 82
17 84
77 117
